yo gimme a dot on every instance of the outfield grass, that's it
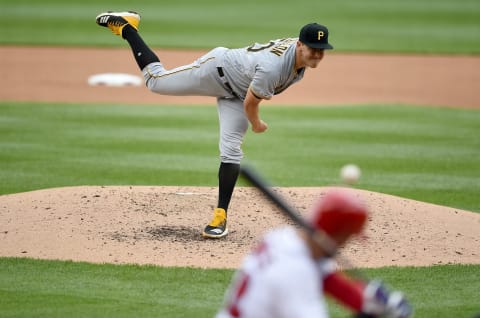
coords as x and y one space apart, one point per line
37 288
427 154
31 288
425 26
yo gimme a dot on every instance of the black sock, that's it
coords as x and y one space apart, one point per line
227 177
142 53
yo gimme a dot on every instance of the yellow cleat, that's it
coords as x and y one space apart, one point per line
116 21
218 227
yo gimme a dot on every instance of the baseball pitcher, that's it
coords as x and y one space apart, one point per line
239 78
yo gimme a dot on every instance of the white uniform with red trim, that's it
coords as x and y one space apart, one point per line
279 279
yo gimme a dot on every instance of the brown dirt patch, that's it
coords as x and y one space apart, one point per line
161 225
60 75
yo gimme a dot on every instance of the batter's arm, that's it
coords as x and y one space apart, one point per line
251 106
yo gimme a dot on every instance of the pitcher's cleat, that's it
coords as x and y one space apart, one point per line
218 227
116 21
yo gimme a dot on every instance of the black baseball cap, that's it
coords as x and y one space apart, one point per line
315 35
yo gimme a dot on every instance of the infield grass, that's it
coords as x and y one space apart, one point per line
425 26
38 288
423 153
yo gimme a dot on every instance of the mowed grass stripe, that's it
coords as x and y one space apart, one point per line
448 26
40 288
103 145
408 151
427 154
31 288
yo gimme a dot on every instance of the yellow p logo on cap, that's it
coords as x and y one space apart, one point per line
320 35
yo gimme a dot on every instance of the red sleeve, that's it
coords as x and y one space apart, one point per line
345 290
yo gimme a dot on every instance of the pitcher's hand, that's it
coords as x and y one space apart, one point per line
259 126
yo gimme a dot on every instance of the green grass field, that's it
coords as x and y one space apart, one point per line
425 26
422 153
428 154
30 288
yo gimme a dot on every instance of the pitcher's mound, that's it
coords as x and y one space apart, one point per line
162 226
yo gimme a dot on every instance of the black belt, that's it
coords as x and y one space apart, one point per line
225 82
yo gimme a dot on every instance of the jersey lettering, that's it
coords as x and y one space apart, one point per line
260 47
282 46
277 48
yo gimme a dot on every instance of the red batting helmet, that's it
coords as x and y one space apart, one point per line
339 214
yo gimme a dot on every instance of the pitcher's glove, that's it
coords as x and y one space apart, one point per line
379 303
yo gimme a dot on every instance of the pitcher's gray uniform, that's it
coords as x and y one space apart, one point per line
239 78
267 69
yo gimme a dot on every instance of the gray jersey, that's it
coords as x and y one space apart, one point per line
267 69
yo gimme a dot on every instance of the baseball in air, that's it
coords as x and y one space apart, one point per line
350 173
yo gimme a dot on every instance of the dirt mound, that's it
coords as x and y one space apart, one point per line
162 225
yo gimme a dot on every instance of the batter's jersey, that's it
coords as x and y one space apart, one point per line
279 279
267 69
